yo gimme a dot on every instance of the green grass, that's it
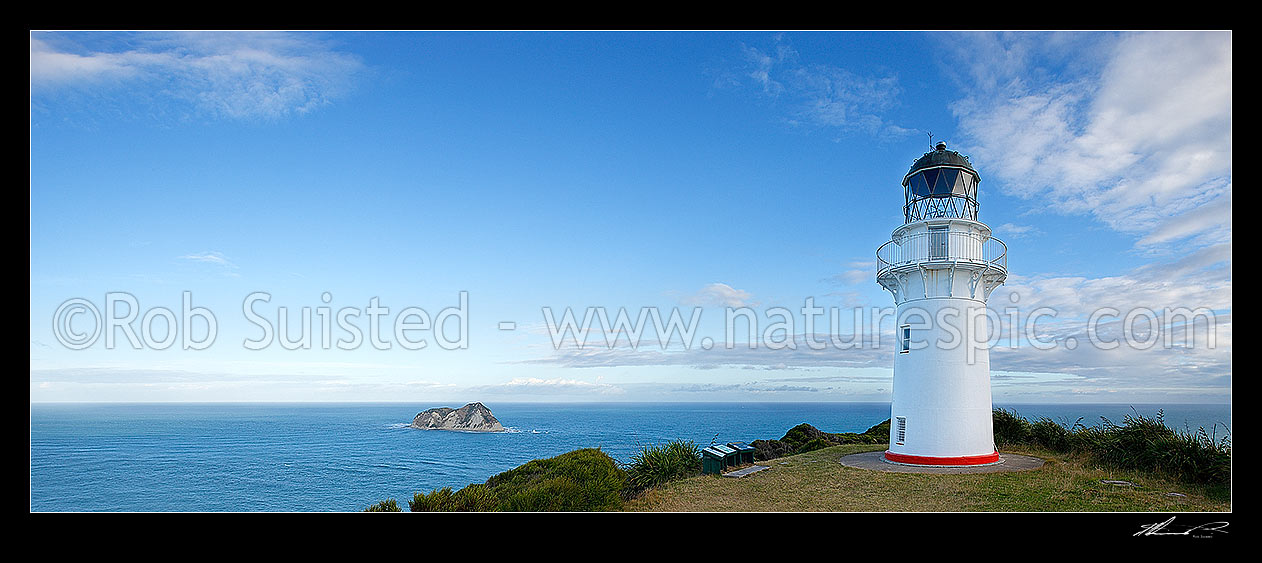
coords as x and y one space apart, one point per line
816 481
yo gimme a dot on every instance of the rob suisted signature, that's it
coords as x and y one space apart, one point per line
1199 531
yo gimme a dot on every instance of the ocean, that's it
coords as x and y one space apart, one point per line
343 457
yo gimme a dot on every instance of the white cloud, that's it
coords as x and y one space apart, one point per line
234 75
1133 130
719 295
1200 280
1207 224
50 67
1137 133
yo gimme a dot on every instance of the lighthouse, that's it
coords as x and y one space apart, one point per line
941 266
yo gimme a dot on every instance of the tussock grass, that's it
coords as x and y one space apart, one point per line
657 464
1139 443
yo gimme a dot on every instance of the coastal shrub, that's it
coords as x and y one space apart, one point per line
556 494
581 480
438 500
814 444
805 438
799 435
474 498
845 438
657 464
770 449
388 505
880 432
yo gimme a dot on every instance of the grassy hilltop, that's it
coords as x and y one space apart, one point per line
1138 465
815 481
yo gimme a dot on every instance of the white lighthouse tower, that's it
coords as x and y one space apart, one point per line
941 265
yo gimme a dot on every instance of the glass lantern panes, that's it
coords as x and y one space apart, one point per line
931 180
941 192
918 186
965 186
946 182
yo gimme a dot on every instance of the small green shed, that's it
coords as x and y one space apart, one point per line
744 451
718 457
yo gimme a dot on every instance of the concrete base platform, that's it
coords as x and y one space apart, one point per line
746 471
876 461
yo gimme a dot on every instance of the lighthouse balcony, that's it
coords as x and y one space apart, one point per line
970 250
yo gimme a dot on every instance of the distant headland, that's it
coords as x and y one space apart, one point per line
473 417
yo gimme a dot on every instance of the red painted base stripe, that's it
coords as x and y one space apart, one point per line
929 460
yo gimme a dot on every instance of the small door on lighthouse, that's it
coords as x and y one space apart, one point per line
938 243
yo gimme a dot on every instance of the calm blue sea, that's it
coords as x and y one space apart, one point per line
336 457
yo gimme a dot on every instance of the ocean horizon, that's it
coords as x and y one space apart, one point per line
241 457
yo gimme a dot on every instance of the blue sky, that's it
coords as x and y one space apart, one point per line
615 170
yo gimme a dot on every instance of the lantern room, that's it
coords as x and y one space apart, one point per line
941 184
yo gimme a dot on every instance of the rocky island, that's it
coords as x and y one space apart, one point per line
473 417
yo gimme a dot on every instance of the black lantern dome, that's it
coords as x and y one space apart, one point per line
942 183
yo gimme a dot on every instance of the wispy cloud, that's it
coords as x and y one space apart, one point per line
1012 230
719 295
234 75
556 386
821 95
1199 280
1133 129
796 352
857 272
1203 225
752 387
215 258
